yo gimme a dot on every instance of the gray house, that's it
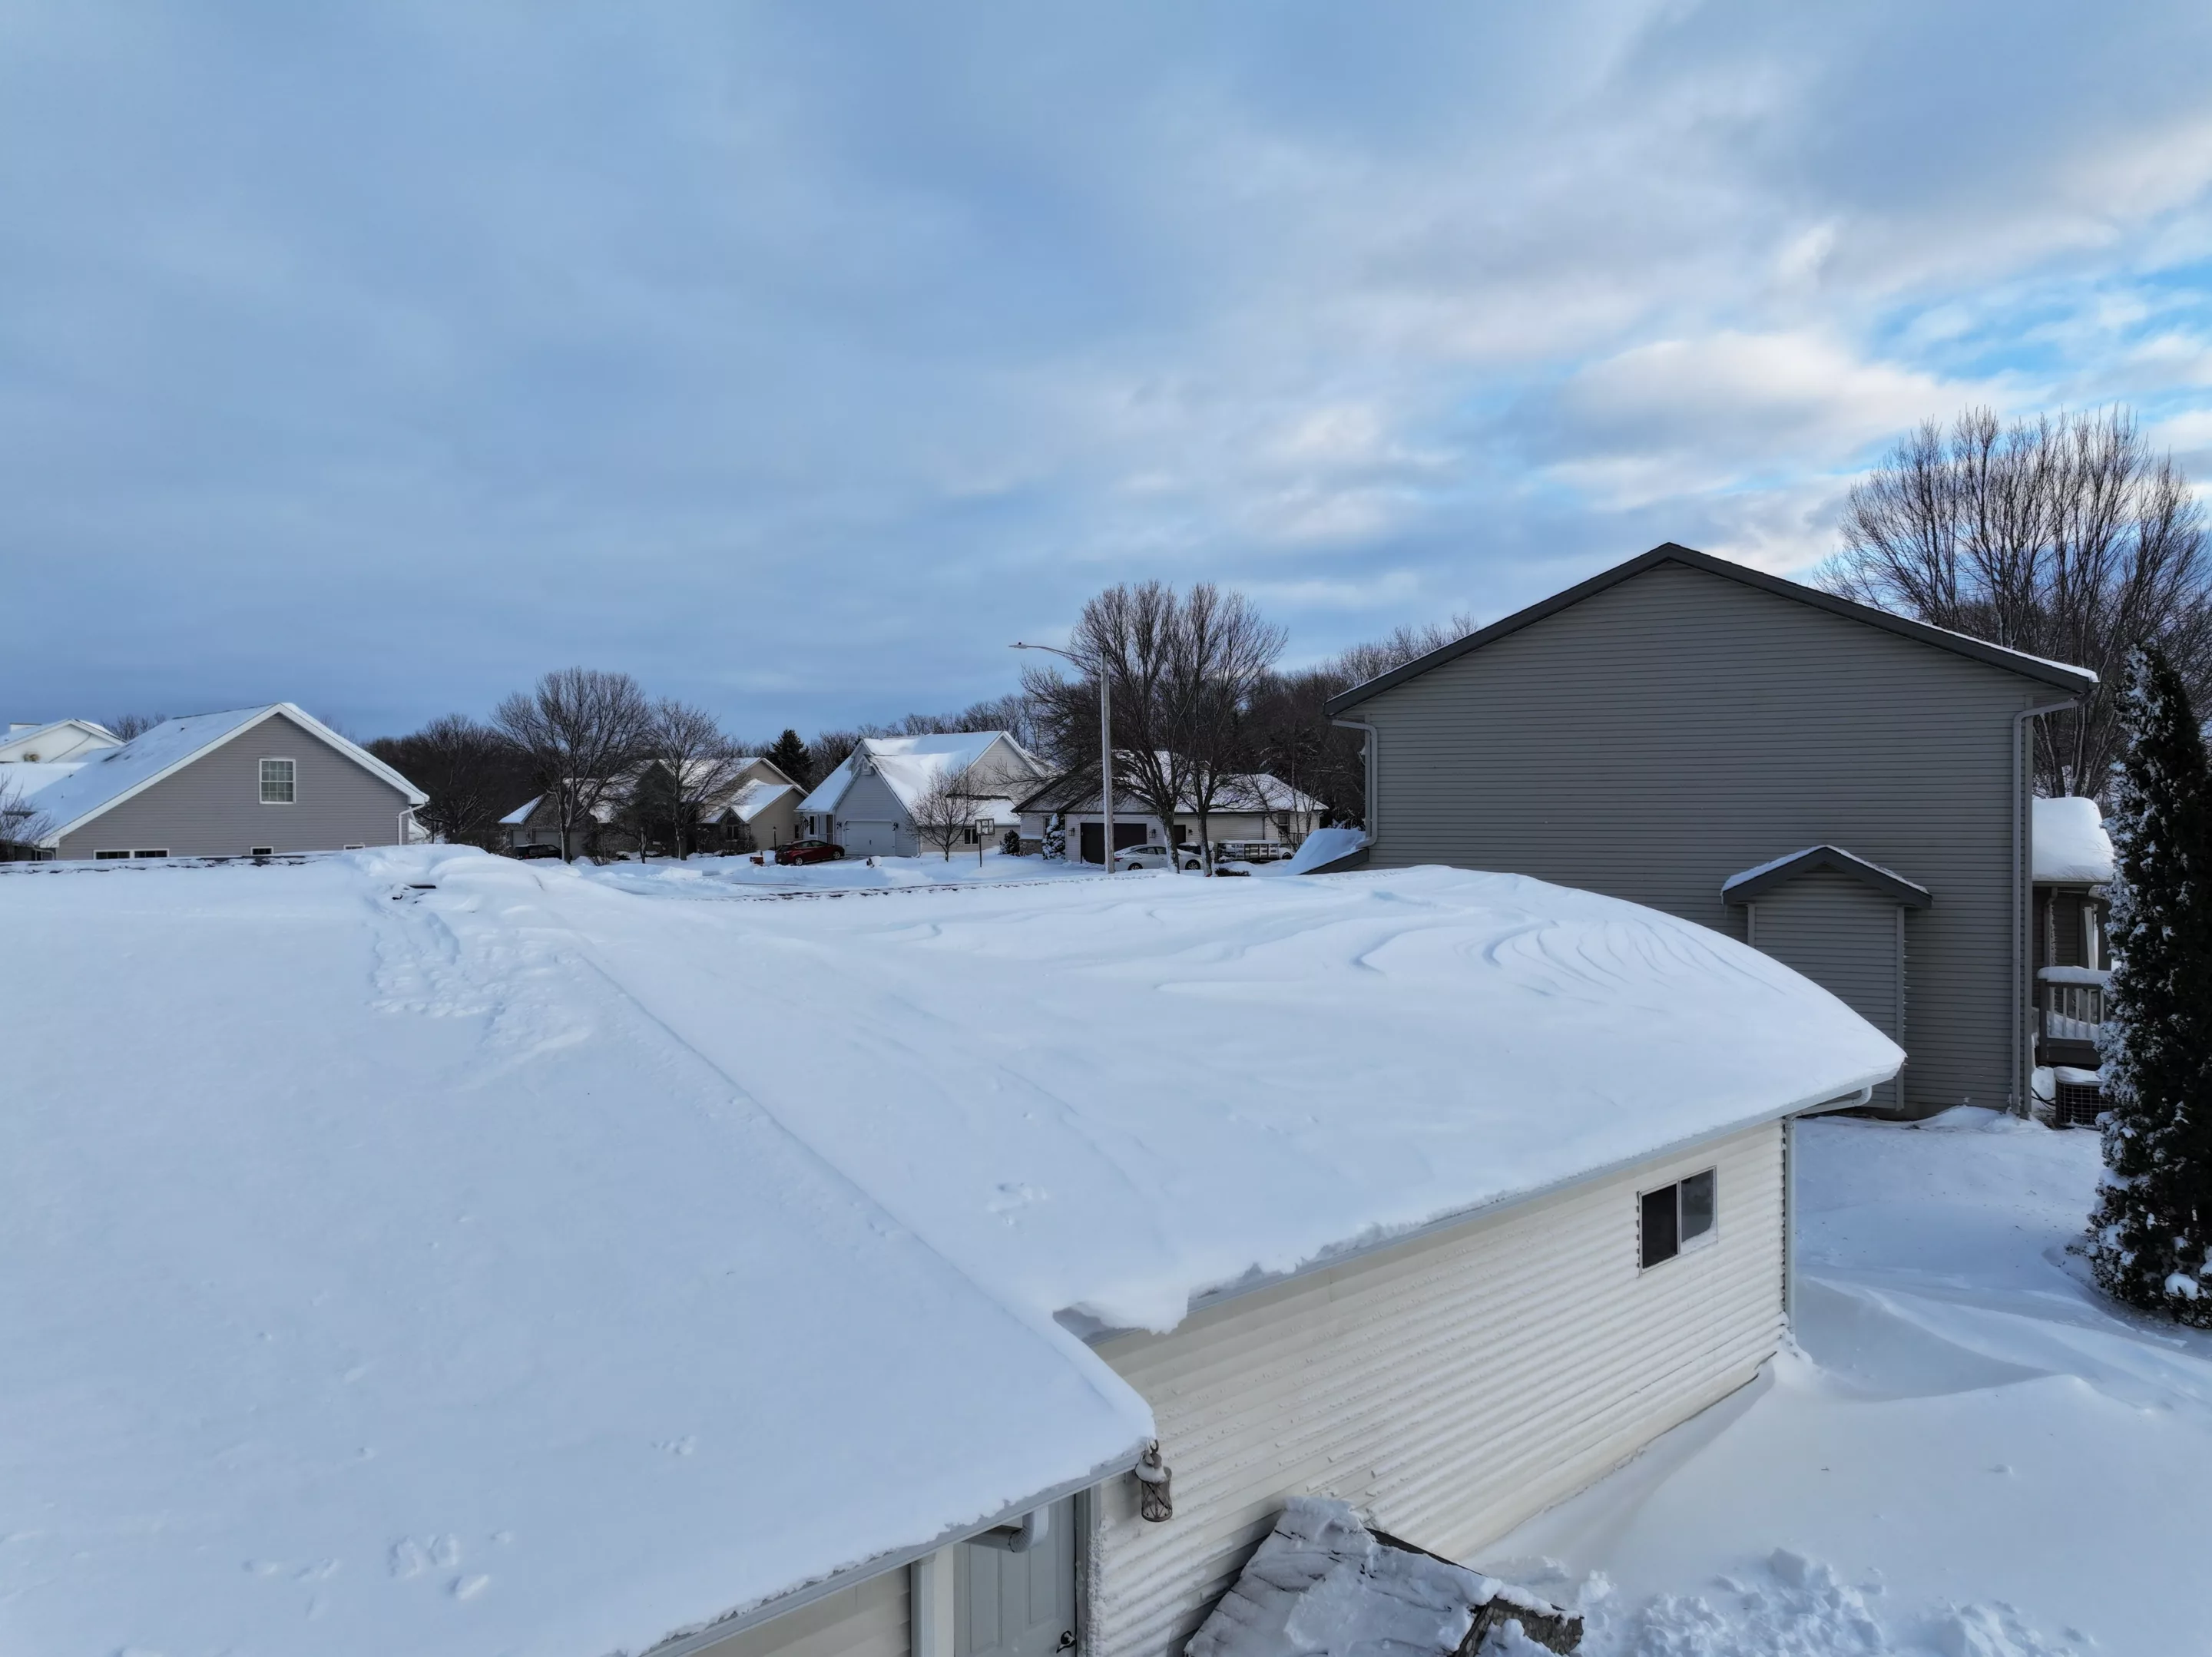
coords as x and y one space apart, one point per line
1845 789
254 781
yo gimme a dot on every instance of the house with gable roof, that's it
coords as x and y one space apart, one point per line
252 781
866 804
1849 789
55 742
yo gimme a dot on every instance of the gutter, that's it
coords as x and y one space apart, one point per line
1019 1518
2022 795
1371 757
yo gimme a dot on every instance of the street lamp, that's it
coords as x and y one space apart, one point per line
1105 749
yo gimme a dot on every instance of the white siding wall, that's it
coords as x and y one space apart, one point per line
869 1619
1449 1388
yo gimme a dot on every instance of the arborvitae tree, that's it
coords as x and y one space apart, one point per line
2152 1231
789 756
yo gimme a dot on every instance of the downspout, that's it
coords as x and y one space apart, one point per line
2021 794
1370 756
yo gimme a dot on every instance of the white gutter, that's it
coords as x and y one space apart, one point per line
2022 832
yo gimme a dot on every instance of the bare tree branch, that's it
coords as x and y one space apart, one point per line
583 731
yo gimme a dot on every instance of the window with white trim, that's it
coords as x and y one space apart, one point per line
279 782
1677 1219
158 851
263 852
106 856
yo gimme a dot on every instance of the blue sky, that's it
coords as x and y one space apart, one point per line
796 358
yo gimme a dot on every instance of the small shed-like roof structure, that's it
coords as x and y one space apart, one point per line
1748 886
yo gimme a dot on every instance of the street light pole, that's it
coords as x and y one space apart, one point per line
1105 750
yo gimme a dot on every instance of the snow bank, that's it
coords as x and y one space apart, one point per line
1976 1455
2070 844
1324 846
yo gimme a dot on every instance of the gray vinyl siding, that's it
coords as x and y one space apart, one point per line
1845 936
1679 727
869 1619
1449 1388
869 799
212 807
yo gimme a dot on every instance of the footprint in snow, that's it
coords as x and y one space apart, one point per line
467 1588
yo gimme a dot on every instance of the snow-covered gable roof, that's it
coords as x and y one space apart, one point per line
908 765
2070 845
1748 886
754 796
565 1380
439 1355
1256 791
521 814
115 775
25 779
54 741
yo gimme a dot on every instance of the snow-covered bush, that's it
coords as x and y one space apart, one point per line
2152 1231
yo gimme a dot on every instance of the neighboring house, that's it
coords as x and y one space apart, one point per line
2073 865
1757 756
757 808
866 804
51 743
1258 811
254 781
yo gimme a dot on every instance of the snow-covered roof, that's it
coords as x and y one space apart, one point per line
72 736
522 814
114 775
1076 791
383 1333
754 796
2070 845
24 778
908 765
445 1354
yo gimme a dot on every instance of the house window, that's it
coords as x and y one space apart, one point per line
102 857
263 852
161 852
1678 1218
279 782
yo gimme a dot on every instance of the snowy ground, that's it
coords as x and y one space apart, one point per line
1975 1456
739 876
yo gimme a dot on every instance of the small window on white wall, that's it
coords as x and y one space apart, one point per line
279 782
1678 1218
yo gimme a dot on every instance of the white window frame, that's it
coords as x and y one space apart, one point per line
110 856
150 852
1704 1240
261 775
261 851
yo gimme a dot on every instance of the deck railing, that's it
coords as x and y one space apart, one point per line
2072 1002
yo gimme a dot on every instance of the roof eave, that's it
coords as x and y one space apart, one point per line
2075 680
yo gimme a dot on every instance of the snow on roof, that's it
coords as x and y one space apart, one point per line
26 778
1749 883
38 737
1076 791
361 1300
115 774
908 764
2070 845
520 814
754 796
475 1344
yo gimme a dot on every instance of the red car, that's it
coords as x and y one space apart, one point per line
809 851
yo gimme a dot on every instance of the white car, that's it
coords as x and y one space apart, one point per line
1158 857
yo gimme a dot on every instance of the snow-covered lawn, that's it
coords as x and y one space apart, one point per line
1976 1455
738 876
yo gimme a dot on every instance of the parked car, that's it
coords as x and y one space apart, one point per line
1156 855
809 851
530 852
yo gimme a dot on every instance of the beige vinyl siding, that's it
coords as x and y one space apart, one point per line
1845 936
1448 1387
869 1619
1679 727
212 807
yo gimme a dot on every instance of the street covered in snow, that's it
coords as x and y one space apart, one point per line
401 1248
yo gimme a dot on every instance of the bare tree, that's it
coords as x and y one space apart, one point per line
944 811
2065 538
127 726
1223 653
701 762
829 750
472 773
22 825
583 732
